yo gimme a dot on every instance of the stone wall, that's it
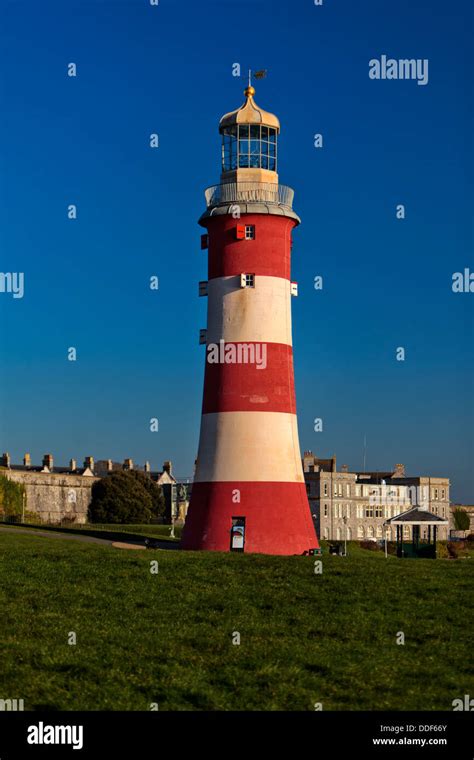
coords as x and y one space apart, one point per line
54 496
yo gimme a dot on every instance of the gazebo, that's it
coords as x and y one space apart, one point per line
421 545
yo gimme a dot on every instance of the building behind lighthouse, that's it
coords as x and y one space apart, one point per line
249 491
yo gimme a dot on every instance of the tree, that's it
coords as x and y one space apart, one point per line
461 519
121 497
155 491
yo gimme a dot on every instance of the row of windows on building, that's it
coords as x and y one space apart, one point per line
361 490
363 511
370 531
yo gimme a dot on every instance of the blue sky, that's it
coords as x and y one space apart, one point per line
387 282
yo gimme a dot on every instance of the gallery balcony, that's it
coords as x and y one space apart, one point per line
249 192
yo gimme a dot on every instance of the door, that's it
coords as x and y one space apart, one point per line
237 534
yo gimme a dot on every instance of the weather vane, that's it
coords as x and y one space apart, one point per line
260 74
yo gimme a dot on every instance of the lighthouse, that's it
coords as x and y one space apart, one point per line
249 493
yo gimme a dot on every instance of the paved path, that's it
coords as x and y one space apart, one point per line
88 539
53 534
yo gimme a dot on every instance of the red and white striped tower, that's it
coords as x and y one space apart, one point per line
249 491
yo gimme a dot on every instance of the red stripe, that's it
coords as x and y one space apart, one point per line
244 387
269 254
278 517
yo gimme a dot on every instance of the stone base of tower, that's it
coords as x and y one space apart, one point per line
277 517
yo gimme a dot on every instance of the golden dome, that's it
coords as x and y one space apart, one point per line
249 113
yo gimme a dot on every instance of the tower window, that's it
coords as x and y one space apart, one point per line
250 232
247 280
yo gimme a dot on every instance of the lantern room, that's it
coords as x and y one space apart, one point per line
249 146
249 143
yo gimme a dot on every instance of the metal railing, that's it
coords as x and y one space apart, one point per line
249 192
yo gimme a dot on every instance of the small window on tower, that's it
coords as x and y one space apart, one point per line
247 280
250 232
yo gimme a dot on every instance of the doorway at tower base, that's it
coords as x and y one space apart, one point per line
276 518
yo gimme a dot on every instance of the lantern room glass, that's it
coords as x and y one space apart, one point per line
249 146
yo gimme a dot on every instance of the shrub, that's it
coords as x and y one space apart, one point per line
11 498
121 498
371 545
441 550
452 549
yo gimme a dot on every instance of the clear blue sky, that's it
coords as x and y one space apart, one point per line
387 283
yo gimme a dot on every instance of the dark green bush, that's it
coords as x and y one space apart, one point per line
124 497
155 491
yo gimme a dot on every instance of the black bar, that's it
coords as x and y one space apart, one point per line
143 734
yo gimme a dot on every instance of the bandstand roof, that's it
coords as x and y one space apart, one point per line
416 516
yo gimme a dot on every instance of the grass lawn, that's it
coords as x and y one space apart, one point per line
141 529
167 638
106 530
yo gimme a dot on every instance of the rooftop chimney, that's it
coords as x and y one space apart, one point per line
344 468
48 461
110 465
27 460
73 465
128 464
89 463
6 460
399 471
167 467
146 467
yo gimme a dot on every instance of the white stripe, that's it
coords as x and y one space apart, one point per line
249 446
262 313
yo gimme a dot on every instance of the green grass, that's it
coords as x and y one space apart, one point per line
158 531
167 638
112 531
